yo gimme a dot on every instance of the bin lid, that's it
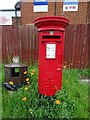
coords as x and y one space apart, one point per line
15 65
51 23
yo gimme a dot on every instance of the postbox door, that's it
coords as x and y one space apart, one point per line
50 65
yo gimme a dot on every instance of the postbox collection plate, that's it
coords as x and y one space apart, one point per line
50 51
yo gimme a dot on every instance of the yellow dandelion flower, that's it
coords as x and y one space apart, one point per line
64 66
24 99
27 79
26 88
33 70
28 82
25 72
11 83
58 102
32 73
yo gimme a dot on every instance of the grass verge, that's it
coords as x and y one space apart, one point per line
70 102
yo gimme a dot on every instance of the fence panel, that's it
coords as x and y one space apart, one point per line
23 41
10 43
29 44
76 46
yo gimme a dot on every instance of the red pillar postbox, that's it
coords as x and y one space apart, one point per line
51 49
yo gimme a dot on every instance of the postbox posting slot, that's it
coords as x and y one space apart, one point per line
53 38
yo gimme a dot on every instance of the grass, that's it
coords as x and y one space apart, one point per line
85 73
73 99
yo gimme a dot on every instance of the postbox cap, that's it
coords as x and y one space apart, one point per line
51 23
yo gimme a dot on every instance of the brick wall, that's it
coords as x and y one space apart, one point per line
88 14
28 15
79 17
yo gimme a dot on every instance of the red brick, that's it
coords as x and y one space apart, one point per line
82 16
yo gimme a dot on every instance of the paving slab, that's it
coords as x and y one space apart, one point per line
85 80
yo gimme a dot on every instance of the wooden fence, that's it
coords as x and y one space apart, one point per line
76 46
23 41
